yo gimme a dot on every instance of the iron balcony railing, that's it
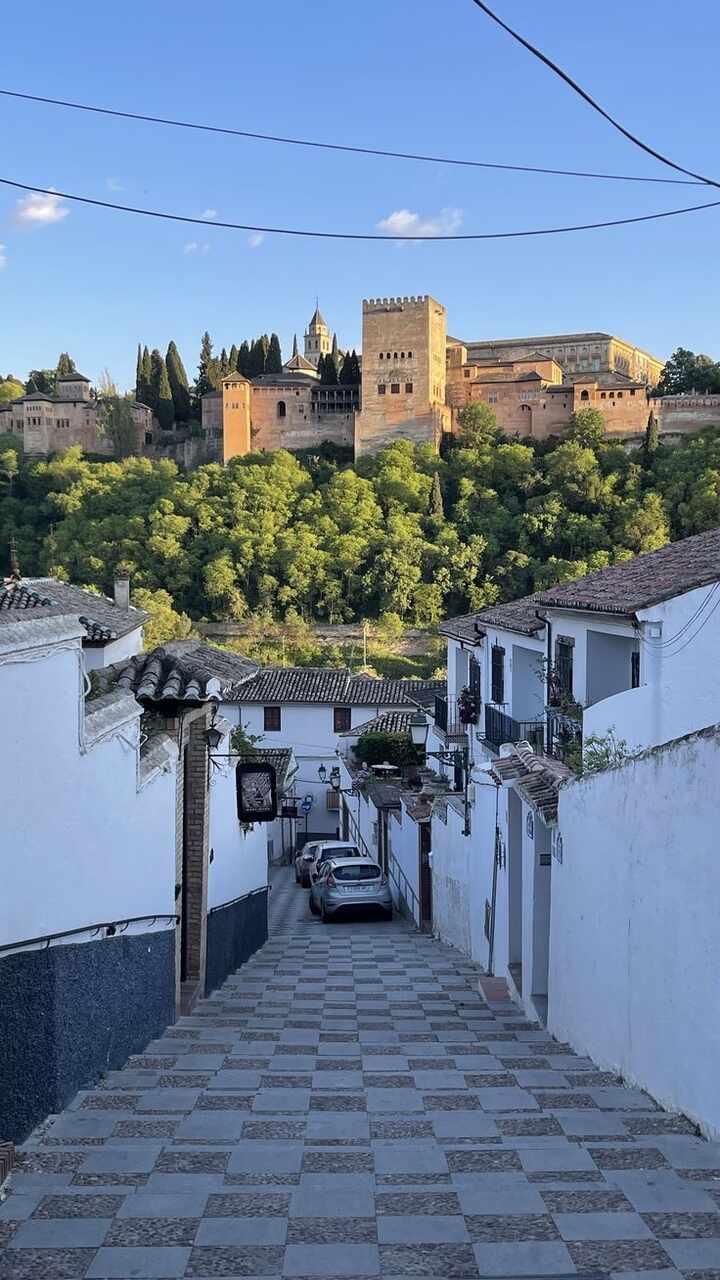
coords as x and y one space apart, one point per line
564 734
500 728
447 718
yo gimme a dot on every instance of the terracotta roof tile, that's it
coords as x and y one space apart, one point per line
334 686
162 677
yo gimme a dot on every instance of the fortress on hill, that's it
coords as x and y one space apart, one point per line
415 380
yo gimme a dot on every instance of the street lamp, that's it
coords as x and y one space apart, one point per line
458 757
322 773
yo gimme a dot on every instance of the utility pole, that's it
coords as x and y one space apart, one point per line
365 630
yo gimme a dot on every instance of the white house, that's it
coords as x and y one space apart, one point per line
88 916
310 709
129 886
113 629
625 659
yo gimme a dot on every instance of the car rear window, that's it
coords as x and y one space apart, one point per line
349 851
361 872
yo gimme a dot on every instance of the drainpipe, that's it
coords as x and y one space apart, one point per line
548 666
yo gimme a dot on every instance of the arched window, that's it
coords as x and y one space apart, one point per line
584 395
381 355
281 409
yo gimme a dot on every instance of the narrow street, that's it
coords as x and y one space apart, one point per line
348 1105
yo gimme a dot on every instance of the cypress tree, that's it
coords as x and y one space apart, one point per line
202 381
179 388
329 374
436 499
233 359
146 378
65 365
652 436
243 361
224 363
139 375
350 372
335 353
295 345
161 393
273 364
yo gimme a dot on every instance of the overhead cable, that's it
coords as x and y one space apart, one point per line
354 235
558 71
336 146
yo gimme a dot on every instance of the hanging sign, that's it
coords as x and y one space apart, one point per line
256 792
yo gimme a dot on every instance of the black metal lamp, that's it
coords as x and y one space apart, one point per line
335 778
419 729
214 737
322 773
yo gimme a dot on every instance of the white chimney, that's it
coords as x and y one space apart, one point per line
121 590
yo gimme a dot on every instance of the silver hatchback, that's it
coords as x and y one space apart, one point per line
350 882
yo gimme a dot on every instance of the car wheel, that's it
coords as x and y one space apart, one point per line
389 914
325 917
314 909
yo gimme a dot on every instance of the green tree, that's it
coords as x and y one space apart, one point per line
587 428
233 359
139 375
179 389
437 509
257 359
207 375
478 425
165 622
10 389
116 420
65 365
145 390
42 380
652 438
243 360
9 468
224 364
686 372
273 363
161 392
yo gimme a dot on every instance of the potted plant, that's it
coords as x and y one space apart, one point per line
468 706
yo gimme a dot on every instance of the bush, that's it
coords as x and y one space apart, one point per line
388 748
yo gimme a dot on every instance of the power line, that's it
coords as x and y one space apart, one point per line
354 235
336 146
558 71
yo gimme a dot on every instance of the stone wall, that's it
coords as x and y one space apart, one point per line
681 415
403 373
283 418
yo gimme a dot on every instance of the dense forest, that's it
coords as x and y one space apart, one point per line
405 535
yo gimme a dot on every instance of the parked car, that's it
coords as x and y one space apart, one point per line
332 849
350 882
304 860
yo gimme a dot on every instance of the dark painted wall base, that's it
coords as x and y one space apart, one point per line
67 1013
234 933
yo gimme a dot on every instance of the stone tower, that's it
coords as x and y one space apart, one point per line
403 373
236 411
317 339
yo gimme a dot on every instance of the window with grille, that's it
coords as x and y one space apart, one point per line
498 674
474 679
564 664
332 800
341 719
271 719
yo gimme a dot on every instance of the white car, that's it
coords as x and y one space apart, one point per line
303 862
326 849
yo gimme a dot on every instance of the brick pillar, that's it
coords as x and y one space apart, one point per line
195 848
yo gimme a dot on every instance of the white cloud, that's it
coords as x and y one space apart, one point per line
114 184
3 257
37 210
405 223
195 246
256 240
209 213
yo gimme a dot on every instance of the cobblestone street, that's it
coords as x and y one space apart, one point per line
348 1105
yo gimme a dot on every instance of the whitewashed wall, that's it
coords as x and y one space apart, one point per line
635 943
115 651
239 861
462 874
83 844
404 836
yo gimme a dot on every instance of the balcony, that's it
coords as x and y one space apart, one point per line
500 728
447 719
564 734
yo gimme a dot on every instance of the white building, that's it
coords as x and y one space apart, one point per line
129 889
113 629
309 709
618 651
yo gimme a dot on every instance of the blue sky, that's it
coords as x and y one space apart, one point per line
429 75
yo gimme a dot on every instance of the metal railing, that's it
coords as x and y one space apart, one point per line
500 728
407 899
447 718
564 734
408 902
112 929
